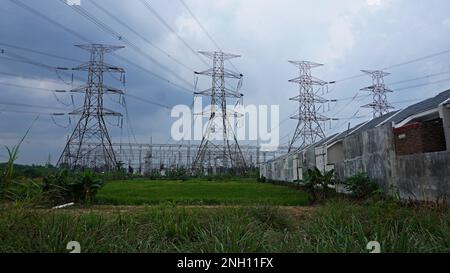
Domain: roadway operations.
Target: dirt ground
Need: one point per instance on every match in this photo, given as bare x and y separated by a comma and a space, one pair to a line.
296, 212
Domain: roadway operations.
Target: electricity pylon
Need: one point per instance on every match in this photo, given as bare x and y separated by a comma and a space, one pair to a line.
309, 128
380, 104
90, 145
211, 154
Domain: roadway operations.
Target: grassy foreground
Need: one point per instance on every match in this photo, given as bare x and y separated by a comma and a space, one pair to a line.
199, 192
339, 226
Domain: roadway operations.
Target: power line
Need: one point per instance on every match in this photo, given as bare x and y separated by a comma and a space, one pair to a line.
205, 31
139, 67
32, 87
46, 18
8, 103
29, 112
421, 85
40, 53
21, 59
123, 59
420, 78
200, 24
122, 23
398, 65
156, 14
411, 100
122, 38
418, 59
66, 91
51, 21
149, 101
30, 78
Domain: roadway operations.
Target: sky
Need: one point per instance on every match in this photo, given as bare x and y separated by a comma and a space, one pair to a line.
346, 36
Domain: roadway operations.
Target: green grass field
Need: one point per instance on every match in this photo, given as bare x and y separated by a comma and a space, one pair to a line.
238, 216
199, 192
339, 226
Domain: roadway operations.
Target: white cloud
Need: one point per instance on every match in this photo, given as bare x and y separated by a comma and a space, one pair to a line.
374, 2
446, 22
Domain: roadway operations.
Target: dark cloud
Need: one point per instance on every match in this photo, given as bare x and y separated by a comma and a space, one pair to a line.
345, 35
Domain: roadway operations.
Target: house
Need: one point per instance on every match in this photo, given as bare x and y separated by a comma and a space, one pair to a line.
406, 152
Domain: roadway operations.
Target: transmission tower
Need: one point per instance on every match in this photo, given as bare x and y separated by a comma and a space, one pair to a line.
380, 104
90, 145
226, 155
309, 128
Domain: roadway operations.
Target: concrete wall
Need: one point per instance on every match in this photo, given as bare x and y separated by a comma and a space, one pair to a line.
444, 111
424, 177
321, 158
309, 158
336, 153
371, 152
284, 169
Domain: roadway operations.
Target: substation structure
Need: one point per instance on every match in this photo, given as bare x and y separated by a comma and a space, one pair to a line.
148, 158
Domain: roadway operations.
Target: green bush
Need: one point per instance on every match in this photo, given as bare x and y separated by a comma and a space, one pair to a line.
316, 184
361, 186
65, 187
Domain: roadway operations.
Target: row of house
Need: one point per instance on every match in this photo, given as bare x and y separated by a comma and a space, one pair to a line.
406, 152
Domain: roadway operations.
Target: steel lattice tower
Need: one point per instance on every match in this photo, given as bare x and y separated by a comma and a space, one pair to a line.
309, 128
226, 155
90, 145
380, 104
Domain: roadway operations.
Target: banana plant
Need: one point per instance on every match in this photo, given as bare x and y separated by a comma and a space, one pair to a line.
316, 184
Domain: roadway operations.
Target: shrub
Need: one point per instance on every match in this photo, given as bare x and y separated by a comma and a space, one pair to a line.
316, 184
262, 179
361, 186
72, 187
86, 186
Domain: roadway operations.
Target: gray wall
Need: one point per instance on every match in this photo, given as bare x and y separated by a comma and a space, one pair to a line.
372, 152
424, 177
281, 169
336, 153
444, 111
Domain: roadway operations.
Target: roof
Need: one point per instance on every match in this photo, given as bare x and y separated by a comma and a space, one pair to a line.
396, 116
321, 142
422, 106
362, 127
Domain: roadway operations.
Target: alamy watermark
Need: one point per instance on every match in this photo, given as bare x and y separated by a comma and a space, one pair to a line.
74, 247
73, 2
246, 123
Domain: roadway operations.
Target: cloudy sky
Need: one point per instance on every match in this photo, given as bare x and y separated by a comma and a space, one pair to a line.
345, 35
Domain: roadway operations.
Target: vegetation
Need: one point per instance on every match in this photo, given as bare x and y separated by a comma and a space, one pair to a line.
56, 186
254, 222
361, 186
338, 226
199, 192
317, 184
64, 187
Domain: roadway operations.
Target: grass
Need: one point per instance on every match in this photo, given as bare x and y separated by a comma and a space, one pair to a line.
339, 226
199, 192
